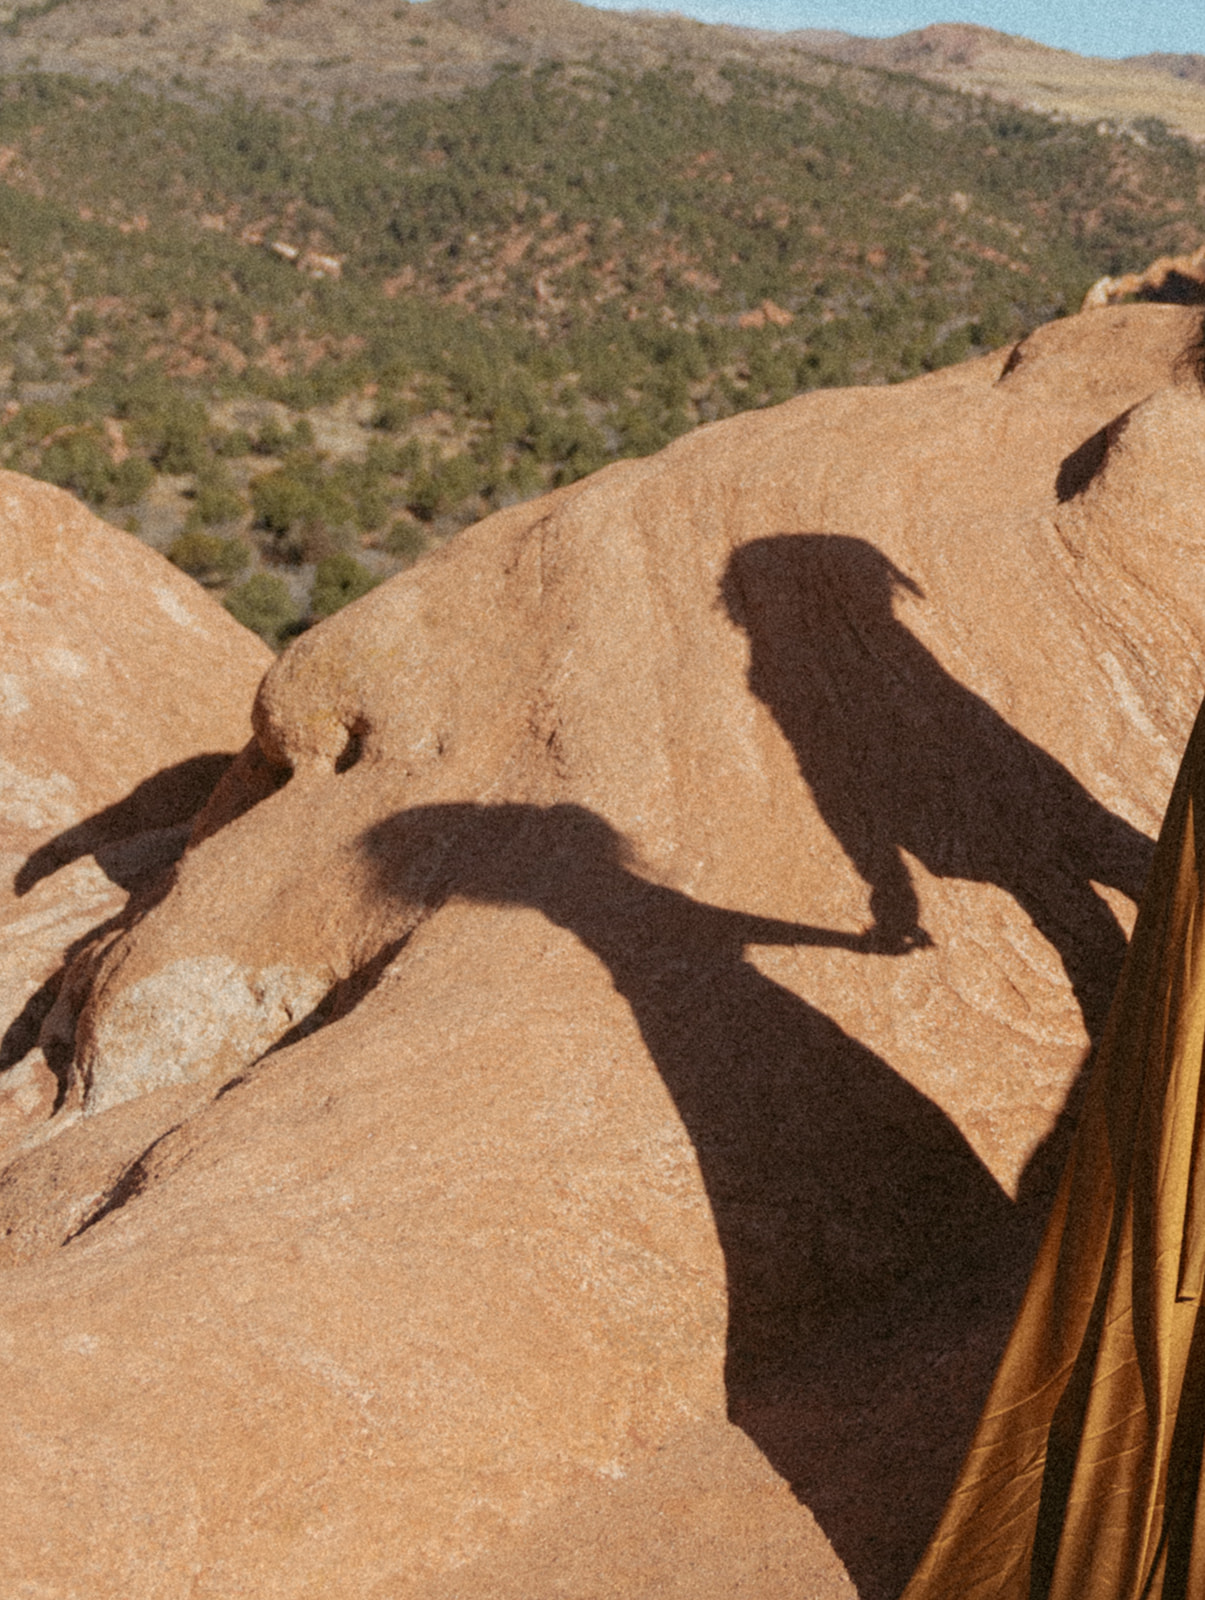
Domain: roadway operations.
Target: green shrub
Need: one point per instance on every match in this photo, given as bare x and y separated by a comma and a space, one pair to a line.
405, 541
271, 439
300, 487
179, 436
423, 499
131, 480
281, 499
208, 557
392, 412
85, 323
264, 605
217, 500
372, 504
442, 486
408, 457
230, 442
639, 434
315, 539
37, 419
339, 580
571, 442
311, 511
525, 477
79, 461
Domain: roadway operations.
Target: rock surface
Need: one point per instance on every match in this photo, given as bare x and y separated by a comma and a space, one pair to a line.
680, 909
1172, 280
123, 695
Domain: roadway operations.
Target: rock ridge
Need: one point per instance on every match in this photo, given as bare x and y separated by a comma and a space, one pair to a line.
598, 1067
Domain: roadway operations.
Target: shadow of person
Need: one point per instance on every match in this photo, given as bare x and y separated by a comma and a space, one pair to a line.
134, 841
848, 1206
900, 756
166, 799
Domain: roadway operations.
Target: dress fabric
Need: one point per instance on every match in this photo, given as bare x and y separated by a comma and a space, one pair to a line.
1083, 1479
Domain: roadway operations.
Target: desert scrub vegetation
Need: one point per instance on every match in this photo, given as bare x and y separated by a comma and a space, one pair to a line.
342, 337
209, 558
339, 579
265, 605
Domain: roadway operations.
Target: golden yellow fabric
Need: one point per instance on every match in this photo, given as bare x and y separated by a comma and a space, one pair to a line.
1083, 1480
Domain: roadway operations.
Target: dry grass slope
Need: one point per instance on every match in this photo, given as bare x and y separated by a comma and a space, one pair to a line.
1170, 89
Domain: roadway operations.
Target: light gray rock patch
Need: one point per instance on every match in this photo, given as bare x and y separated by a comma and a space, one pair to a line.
36, 803
190, 1019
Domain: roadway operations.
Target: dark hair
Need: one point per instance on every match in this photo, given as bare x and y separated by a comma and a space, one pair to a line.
1192, 361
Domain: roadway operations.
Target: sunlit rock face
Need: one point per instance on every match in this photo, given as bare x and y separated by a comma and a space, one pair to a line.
580, 1113
124, 694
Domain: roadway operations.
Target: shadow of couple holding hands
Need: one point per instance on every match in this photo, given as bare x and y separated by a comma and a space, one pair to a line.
852, 1212
857, 1224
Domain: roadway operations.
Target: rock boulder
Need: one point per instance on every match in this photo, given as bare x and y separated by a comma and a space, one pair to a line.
124, 693
578, 1121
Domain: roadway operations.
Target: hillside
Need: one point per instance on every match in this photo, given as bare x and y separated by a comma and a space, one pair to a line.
577, 1118
296, 348
1191, 68
1135, 93
315, 51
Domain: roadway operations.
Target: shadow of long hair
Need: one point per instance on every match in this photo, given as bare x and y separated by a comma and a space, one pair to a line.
1192, 361
899, 756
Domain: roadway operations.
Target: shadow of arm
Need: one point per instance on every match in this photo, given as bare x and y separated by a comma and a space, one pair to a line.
769, 930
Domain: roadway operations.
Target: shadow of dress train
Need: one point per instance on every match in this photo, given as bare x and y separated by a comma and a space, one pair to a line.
1084, 1475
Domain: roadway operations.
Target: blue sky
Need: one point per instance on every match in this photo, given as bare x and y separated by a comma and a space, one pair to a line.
1091, 27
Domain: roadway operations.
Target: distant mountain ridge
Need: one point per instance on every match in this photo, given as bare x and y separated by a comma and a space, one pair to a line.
1037, 76
1191, 67
940, 44
943, 45
318, 51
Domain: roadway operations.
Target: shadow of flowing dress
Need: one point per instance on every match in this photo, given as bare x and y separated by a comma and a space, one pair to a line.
1084, 1477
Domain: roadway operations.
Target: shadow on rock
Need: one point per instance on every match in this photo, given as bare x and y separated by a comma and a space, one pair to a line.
900, 756
172, 796
134, 842
850, 1209
26, 1028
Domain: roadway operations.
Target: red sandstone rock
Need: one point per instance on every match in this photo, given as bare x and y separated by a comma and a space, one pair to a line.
123, 693
1173, 280
683, 905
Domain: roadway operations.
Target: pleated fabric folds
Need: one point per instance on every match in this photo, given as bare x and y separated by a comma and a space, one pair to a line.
1083, 1479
